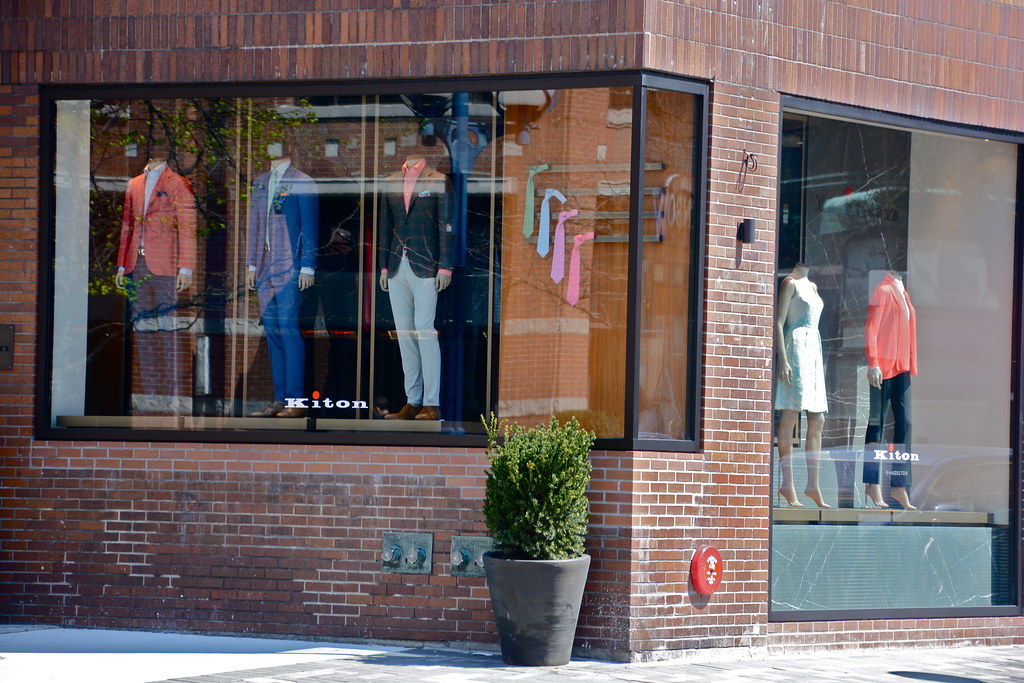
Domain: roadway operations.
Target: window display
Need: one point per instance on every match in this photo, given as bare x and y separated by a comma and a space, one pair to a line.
896, 270
367, 263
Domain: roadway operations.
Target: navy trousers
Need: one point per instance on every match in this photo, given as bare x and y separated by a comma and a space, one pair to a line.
894, 393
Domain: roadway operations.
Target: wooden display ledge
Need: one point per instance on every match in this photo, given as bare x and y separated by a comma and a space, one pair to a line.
197, 422
875, 516
335, 425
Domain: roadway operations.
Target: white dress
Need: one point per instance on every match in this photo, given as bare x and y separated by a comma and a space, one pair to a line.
803, 350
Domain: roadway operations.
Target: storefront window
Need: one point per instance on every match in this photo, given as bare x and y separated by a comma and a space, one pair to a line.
364, 263
894, 369
668, 316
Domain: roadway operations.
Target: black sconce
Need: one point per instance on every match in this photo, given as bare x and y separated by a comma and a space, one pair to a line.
746, 229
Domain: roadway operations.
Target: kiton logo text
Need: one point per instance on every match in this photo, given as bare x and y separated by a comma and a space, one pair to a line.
317, 402
893, 454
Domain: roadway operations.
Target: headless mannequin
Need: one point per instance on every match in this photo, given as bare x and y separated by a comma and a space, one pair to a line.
873, 491
415, 257
788, 418
155, 260
284, 220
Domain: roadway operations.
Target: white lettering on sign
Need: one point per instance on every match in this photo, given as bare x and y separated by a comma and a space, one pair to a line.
318, 402
894, 454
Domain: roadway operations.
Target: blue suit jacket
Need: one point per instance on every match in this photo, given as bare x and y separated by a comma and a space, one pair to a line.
292, 227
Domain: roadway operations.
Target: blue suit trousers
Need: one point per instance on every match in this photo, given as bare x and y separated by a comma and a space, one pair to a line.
281, 325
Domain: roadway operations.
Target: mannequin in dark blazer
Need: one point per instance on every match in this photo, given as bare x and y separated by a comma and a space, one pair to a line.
155, 259
415, 251
283, 223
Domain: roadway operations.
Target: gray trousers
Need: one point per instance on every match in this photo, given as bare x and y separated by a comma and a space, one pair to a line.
414, 303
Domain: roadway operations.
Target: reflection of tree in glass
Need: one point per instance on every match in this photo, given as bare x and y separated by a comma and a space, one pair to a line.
212, 142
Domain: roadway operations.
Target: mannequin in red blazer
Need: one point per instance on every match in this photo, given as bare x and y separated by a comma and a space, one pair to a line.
890, 344
155, 259
163, 230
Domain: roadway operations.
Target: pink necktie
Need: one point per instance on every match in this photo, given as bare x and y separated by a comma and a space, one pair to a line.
558, 256
544, 236
572, 295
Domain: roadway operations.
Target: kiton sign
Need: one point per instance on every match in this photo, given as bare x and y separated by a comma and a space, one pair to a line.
893, 454
317, 402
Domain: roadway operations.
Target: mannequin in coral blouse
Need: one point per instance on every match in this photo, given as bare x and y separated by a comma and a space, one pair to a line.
890, 343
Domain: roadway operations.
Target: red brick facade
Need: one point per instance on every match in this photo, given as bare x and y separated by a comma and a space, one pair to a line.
285, 539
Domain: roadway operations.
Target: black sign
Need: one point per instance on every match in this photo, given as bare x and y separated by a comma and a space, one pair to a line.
6, 347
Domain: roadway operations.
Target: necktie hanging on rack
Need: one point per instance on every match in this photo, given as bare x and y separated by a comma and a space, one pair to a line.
530, 192
544, 235
272, 183
558, 256
572, 294
665, 205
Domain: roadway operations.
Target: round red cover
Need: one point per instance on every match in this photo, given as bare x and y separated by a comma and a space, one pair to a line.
707, 569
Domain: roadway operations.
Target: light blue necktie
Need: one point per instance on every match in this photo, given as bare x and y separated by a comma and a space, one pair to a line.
272, 183
528, 208
544, 236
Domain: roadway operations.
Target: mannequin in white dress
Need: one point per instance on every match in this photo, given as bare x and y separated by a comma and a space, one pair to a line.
801, 380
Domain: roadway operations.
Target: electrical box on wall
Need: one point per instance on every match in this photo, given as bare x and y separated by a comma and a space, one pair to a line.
6, 347
406, 552
467, 554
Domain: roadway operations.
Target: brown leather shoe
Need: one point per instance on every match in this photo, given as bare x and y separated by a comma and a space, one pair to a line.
270, 411
408, 412
429, 413
292, 412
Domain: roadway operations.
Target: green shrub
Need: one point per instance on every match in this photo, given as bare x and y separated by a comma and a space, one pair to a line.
535, 503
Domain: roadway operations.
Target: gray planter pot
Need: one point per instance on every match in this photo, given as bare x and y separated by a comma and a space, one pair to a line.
536, 605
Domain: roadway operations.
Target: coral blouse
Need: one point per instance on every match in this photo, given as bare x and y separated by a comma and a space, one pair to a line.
890, 333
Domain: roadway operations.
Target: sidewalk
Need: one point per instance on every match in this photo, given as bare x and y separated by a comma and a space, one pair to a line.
58, 655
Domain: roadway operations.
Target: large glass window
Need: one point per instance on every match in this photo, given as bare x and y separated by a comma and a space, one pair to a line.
894, 369
668, 308
371, 262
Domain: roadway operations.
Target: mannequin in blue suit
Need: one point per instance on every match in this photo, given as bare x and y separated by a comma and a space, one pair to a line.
282, 260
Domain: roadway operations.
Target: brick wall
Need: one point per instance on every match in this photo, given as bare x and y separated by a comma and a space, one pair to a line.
19, 249
952, 61
269, 540
336, 39
239, 539
102, 534
721, 495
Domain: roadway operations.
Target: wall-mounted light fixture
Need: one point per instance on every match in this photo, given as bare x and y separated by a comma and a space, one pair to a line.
746, 230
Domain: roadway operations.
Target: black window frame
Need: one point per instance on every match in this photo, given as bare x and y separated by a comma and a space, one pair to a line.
638, 80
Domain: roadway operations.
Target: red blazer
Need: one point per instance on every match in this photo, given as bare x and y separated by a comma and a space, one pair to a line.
169, 226
890, 339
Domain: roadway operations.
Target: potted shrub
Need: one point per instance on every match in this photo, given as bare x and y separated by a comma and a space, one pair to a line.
538, 514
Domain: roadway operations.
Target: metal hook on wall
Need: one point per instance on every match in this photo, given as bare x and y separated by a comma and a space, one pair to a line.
747, 165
